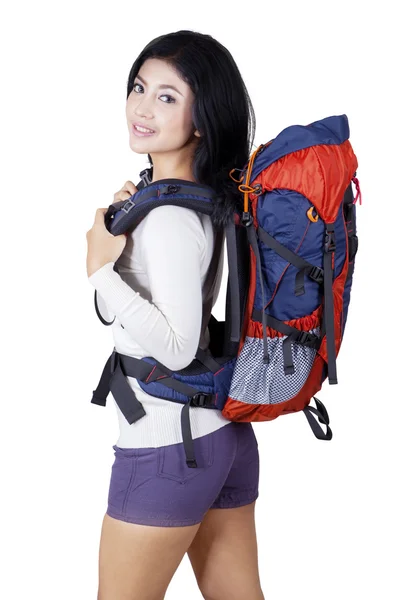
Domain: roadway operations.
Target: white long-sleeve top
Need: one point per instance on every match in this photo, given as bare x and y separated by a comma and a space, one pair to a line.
158, 300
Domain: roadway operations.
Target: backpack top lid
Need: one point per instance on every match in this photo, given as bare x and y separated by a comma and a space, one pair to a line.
331, 130
315, 160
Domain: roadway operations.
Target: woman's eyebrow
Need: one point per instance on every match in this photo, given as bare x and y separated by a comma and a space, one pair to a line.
161, 86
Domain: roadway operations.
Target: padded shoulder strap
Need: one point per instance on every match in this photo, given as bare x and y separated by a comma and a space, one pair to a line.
209, 284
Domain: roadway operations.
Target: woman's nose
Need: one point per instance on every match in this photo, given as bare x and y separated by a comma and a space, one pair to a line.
143, 109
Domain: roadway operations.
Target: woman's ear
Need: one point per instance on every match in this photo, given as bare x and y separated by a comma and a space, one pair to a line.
197, 133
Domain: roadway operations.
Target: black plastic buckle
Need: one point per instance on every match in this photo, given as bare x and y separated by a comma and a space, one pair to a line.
169, 189
303, 337
330, 244
128, 205
200, 399
317, 274
145, 177
247, 219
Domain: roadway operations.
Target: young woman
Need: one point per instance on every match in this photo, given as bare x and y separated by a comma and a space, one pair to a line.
186, 88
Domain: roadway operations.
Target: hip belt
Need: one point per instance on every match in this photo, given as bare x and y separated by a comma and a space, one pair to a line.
113, 379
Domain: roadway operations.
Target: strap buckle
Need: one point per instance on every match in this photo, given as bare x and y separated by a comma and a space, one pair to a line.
304, 337
128, 205
309, 339
247, 219
317, 274
201, 399
330, 244
145, 176
170, 188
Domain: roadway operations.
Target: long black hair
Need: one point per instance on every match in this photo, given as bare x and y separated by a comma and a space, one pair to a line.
222, 111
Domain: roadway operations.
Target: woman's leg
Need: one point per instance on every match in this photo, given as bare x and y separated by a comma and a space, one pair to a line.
137, 562
224, 555
156, 505
224, 551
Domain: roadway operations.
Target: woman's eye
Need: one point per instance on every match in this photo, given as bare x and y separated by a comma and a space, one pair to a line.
166, 95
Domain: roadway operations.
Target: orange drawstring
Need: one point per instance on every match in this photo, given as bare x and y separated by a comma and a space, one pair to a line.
246, 188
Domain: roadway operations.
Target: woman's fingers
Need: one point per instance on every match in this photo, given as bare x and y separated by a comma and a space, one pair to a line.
122, 195
128, 190
130, 187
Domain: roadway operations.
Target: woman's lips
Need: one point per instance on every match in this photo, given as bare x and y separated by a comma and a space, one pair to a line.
141, 133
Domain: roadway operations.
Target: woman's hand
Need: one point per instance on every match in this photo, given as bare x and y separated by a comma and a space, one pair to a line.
103, 246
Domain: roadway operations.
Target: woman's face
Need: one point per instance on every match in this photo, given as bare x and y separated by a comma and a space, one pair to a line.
165, 110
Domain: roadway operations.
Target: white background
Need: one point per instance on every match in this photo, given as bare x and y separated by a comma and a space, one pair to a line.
327, 514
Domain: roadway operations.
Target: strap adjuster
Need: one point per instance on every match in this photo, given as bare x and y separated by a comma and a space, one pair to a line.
247, 219
170, 188
128, 205
304, 337
201, 399
309, 339
330, 244
317, 274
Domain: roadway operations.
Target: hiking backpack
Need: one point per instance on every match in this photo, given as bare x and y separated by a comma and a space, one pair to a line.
291, 253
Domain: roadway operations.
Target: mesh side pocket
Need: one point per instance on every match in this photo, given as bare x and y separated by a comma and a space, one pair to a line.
256, 383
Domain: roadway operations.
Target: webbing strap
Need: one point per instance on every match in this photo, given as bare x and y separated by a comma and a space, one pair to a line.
233, 279
252, 237
294, 336
115, 268
324, 276
328, 302
300, 263
323, 417
208, 360
113, 378
187, 437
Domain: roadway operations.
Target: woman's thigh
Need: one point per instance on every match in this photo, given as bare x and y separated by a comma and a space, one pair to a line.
224, 555
137, 562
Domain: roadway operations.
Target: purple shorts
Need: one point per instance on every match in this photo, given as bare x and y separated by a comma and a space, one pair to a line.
154, 486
